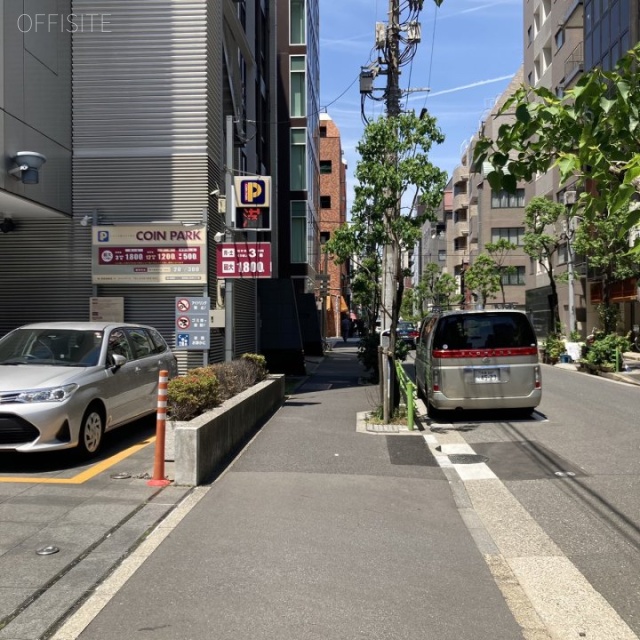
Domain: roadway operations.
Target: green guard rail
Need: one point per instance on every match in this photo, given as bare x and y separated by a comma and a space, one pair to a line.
409, 391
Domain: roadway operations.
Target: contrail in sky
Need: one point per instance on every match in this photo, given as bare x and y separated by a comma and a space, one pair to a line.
470, 86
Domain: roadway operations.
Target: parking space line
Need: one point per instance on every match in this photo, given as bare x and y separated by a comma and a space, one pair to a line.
91, 472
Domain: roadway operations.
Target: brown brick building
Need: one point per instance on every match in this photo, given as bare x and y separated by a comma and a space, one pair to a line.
333, 213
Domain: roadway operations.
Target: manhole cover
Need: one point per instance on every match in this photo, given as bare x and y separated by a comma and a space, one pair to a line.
467, 458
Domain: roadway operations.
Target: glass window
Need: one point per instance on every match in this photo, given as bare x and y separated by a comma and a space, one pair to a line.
325, 166
562, 254
515, 235
298, 97
298, 32
140, 342
460, 244
160, 346
559, 38
325, 202
299, 231
597, 50
505, 200
442, 255
515, 276
298, 159
118, 345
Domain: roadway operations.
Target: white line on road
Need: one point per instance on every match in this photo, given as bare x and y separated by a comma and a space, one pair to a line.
546, 593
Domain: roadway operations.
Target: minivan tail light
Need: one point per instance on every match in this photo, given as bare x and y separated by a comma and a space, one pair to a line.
436, 381
537, 378
485, 353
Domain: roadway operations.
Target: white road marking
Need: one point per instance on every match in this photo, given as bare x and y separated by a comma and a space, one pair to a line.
546, 593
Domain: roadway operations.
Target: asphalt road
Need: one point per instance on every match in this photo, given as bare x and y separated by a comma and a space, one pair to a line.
575, 469
558, 505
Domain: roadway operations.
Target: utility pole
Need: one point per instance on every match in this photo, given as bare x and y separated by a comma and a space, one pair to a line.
229, 211
390, 250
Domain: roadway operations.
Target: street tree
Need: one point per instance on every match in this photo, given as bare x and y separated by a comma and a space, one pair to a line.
483, 277
498, 251
546, 223
378, 218
591, 134
605, 243
446, 291
435, 288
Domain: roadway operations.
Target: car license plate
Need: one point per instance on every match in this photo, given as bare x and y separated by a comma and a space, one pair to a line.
487, 375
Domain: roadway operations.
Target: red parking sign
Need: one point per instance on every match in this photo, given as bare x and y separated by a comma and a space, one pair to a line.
244, 260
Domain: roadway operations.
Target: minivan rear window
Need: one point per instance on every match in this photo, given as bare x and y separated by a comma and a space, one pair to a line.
484, 331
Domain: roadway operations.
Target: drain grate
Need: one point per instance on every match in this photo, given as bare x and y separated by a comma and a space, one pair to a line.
383, 428
467, 458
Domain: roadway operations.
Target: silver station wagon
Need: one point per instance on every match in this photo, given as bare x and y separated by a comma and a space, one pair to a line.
478, 359
63, 384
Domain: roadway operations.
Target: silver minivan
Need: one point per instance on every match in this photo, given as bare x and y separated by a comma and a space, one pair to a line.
478, 359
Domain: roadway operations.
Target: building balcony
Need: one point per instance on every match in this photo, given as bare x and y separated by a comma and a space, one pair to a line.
460, 175
573, 65
461, 201
461, 228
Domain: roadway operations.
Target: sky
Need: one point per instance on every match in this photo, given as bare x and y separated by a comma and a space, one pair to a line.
469, 52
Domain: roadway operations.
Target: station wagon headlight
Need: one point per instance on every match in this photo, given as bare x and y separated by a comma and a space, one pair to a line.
53, 394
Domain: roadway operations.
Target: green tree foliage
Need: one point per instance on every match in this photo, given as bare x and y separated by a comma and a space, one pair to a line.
498, 252
605, 242
438, 288
483, 277
446, 291
377, 216
591, 134
546, 223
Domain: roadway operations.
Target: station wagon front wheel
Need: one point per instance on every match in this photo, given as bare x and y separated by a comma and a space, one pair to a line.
91, 432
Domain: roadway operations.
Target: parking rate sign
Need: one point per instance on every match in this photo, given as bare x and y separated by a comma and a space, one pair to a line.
192, 323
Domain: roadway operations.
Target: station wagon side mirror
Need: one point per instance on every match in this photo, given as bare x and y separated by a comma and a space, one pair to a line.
116, 361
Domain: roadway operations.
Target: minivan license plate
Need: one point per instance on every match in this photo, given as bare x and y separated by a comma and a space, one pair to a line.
487, 375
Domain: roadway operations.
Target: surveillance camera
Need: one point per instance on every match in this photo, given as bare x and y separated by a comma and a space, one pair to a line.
32, 159
7, 225
85, 221
29, 162
219, 237
215, 192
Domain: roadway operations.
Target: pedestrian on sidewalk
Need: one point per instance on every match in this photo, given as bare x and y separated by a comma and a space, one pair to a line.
345, 327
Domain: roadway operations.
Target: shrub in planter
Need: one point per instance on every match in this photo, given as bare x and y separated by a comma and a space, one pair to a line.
603, 350
192, 394
207, 387
259, 363
554, 347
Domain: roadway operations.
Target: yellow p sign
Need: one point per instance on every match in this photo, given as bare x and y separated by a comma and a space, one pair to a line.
252, 192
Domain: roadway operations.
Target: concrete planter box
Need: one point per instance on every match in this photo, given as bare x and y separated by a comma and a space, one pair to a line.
204, 444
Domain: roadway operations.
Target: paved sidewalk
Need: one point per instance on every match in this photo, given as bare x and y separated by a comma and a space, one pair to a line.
316, 531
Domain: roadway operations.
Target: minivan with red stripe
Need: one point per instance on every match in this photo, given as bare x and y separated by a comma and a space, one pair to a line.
478, 359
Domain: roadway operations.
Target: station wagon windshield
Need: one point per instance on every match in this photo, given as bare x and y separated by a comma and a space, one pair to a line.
55, 347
